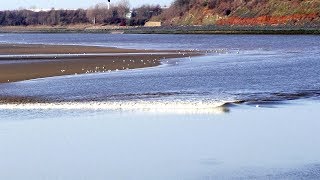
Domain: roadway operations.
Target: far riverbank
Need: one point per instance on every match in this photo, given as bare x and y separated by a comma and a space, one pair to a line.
207, 29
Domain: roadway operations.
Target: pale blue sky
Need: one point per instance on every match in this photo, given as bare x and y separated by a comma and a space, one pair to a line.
68, 4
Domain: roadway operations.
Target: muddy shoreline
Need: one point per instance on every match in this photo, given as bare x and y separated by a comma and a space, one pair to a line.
58, 60
188, 29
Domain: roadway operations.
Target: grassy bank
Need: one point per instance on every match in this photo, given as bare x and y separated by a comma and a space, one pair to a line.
211, 29
224, 30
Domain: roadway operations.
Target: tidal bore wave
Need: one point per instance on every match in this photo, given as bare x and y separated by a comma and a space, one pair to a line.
169, 102
177, 107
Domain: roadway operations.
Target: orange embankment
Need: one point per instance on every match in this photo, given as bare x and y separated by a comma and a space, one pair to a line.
268, 20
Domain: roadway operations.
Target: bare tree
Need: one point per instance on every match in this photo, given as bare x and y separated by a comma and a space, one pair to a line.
123, 8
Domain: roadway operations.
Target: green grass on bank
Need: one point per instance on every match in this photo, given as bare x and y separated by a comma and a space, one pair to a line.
211, 29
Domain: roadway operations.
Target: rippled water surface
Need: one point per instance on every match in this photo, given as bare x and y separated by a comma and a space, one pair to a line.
170, 121
237, 68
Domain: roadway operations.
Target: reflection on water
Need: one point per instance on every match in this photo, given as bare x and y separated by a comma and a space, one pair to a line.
250, 143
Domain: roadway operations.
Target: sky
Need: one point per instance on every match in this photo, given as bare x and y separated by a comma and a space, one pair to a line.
67, 4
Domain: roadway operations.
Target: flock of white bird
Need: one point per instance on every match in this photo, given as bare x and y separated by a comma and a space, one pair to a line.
145, 62
104, 68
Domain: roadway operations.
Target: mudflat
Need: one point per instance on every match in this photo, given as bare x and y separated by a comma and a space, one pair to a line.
13, 49
30, 61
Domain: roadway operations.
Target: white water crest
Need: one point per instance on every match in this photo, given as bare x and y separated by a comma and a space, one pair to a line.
176, 107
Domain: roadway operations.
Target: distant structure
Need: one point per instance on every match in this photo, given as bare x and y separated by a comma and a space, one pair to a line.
153, 24
39, 9
129, 14
108, 4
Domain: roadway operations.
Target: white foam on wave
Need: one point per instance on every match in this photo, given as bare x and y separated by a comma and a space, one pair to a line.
180, 107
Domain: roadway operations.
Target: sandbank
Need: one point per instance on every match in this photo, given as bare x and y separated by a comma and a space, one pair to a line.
20, 62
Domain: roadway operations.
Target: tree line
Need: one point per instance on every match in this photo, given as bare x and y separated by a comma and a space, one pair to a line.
52, 17
121, 14
118, 14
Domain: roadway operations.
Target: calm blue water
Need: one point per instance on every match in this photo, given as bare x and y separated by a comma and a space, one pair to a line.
167, 122
204, 42
254, 143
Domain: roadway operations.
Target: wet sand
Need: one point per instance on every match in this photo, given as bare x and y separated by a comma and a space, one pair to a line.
57, 60
63, 49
